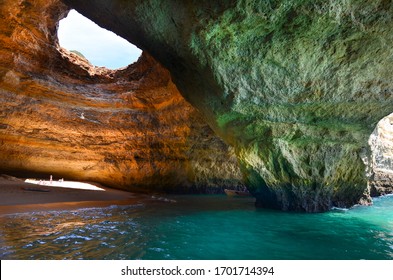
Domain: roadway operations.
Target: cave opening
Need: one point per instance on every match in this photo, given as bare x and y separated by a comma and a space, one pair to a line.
102, 48
381, 165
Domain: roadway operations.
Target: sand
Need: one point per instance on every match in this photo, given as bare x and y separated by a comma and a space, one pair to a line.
17, 196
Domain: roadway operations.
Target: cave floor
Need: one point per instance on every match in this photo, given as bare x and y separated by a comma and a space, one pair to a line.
16, 196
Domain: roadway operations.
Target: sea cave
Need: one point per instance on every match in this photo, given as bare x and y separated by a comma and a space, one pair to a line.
279, 97
289, 102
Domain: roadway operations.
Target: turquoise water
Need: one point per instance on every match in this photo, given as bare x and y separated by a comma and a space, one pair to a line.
199, 227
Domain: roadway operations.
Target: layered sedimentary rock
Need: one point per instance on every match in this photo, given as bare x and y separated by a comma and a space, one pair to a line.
296, 87
129, 129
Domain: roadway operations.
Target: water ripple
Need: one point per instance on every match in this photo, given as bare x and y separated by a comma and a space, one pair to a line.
200, 227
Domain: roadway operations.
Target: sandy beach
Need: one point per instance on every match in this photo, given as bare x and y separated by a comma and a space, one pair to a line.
17, 196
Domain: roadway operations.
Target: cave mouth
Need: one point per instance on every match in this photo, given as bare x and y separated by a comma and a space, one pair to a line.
381, 165
381, 143
102, 48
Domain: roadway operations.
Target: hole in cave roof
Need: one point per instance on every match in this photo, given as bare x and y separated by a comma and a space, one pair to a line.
101, 47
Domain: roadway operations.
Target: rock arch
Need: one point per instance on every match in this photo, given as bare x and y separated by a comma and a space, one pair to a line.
296, 87
128, 129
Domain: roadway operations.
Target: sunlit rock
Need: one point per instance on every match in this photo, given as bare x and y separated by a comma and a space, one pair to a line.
129, 129
381, 171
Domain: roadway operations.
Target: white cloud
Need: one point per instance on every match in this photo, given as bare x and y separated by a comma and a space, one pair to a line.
100, 46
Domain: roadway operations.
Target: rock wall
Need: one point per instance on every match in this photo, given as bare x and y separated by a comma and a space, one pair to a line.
129, 129
296, 87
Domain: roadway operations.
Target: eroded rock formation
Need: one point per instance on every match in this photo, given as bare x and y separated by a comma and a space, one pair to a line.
296, 87
129, 129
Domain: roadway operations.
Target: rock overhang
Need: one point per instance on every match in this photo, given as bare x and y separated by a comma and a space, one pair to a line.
296, 87
128, 128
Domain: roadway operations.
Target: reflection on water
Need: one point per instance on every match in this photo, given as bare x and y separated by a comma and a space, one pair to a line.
199, 227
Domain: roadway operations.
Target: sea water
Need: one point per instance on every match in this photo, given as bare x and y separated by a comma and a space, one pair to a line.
199, 228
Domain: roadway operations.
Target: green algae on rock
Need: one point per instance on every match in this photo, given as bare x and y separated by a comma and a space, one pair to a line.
296, 87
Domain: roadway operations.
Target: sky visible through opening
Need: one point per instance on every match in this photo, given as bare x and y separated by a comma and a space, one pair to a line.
100, 46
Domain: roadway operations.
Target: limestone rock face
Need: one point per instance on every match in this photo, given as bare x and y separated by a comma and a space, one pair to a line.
129, 129
296, 87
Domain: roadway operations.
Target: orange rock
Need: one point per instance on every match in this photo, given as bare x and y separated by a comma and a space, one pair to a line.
128, 129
